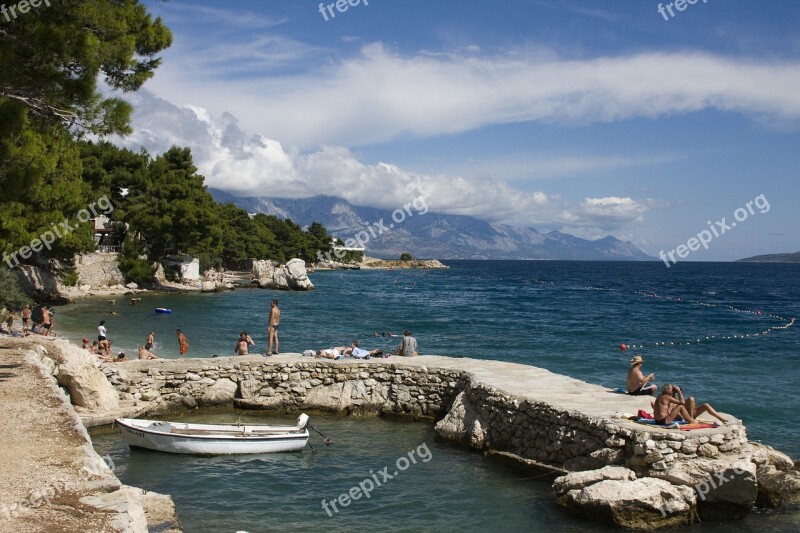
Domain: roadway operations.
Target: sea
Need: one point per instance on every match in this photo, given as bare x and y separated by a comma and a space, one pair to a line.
723, 331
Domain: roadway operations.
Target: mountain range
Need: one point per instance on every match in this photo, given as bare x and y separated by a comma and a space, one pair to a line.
433, 235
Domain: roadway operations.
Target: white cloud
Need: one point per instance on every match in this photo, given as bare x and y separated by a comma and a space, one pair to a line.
379, 95
252, 165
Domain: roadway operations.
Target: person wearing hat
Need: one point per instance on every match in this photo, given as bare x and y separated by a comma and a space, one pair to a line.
85, 343
637, 381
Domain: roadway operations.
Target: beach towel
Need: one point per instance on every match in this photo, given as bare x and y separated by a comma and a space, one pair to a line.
698, 425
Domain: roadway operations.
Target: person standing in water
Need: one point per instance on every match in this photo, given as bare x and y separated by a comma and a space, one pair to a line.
272, 328
182, 342
151, 340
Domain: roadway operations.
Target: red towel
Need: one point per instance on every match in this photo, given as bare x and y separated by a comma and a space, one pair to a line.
644, 414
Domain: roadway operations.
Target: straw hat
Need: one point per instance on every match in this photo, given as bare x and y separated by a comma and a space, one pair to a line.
637, 360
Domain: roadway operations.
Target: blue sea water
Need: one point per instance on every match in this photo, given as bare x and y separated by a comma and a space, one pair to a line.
568, 317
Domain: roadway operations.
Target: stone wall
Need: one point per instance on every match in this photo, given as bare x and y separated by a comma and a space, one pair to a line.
339, 387
98, 270
486, 418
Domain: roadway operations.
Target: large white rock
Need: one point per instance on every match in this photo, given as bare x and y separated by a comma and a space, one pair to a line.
777, 487
726, 487
297, 276
579, 480
461, 424
645, 503
88, 387
291, 276
221, 392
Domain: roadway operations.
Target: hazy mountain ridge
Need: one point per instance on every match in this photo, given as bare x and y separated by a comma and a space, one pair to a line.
435, 234
791, 257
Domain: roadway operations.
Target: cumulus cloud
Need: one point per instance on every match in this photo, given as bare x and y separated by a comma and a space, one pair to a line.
250, 164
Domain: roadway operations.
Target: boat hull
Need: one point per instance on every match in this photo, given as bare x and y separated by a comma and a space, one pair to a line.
200, 439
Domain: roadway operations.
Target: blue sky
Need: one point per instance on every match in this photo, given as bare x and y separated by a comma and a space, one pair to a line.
593, 118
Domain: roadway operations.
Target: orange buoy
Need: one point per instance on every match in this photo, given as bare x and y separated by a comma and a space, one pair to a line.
623, 347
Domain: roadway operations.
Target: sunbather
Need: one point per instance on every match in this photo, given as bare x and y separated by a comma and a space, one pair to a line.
692, 408
360, 353
332, 353
667, 408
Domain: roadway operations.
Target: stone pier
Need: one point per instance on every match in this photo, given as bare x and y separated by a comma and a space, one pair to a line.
617, 471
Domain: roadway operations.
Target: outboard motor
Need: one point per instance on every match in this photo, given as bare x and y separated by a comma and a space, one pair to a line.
302, 421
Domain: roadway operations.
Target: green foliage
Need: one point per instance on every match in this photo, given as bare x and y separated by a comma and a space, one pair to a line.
51, 60
349, 256
405, 256
69, 278
132, 266
10, 292
173, 211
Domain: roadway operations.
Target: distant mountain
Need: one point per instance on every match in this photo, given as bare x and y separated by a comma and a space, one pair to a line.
772, 258
434, 234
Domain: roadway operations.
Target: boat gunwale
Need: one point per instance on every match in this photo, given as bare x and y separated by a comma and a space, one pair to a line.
286, 436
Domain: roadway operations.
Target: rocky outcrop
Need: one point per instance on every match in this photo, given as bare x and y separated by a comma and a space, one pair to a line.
40, 284
73, 368
614, 496
290, 277
778, 478
726, 486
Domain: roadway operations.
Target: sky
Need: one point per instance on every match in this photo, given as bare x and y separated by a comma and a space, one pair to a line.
591, 118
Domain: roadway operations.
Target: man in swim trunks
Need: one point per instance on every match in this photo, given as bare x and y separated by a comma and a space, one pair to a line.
272, 329
151, 339
637, 381
667, 408
47, 321
26, 319
182, 342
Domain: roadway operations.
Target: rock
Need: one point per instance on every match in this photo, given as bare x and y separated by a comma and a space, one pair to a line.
777, 487
459, 424
579, 480
39, 283
221, 392
150, 395
726, 489
645, 503
291, 276
296, 275
132, 286
87, 385
208, 286
160, 512
763, 454
336, 397
124, 507
249, 388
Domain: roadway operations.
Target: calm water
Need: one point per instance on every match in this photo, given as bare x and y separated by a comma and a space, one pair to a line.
568, 317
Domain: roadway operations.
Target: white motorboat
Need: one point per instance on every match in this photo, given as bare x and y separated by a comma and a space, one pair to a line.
213, 439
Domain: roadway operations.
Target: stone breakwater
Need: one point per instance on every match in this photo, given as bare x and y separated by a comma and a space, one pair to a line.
618, 471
